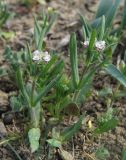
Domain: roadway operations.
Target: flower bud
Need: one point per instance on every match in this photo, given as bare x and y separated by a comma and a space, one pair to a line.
86, 44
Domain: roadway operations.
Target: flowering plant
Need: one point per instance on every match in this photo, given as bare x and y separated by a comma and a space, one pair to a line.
44, 87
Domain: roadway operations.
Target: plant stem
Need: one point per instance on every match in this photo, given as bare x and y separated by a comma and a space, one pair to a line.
33, 89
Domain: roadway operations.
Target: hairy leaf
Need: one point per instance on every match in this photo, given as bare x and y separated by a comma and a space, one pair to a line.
34, 136
102, 153
113, 71
54, 142
70, 131
46, 89
74, 60
124, 154
106, 126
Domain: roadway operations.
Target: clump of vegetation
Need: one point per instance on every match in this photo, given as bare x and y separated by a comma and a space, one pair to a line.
4, 13
43, 86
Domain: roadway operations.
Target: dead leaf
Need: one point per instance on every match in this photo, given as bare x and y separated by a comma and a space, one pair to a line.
65, 155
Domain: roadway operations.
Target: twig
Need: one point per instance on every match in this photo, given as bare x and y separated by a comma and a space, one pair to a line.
10, 146
15, 152
88, 155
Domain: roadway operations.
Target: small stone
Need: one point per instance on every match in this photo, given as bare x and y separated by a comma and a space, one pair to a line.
8, 118
3, 131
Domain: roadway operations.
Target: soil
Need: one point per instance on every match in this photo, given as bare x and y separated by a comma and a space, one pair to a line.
67, 21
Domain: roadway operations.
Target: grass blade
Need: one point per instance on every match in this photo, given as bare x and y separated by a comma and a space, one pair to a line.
86, 26
124, 16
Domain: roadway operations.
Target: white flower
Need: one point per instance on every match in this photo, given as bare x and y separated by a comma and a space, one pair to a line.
100, 45
46, 56
86, 44
36, 55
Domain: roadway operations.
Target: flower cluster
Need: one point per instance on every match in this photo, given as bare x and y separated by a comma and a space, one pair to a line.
99, 45
39, 56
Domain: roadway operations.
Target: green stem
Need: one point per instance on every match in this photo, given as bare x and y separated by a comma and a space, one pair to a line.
33, 89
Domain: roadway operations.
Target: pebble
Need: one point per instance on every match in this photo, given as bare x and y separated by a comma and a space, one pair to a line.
8, 118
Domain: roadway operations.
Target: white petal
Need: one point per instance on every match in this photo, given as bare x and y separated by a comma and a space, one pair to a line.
36, 58
37, 52
47, 58
46, 53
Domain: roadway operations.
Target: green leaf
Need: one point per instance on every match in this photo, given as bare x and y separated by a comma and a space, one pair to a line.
111, 13
41, 1
103, 8
121, 94
74, 60
106, 126
102, 28
70, 131
54, 142
124, 16
35, 115
34, 111
107, 116
52, 20
34, 136
92, 40
86, 78
4, 13
84, 33
21, 84
50, 64
124, 154
8, 35
2, 72
36, 31
86, 28
83, 92
113, 71
102, 153
56, 69
15, 104
29, 54
7, 53
46, 89
41, 38
107, 8
105, 92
